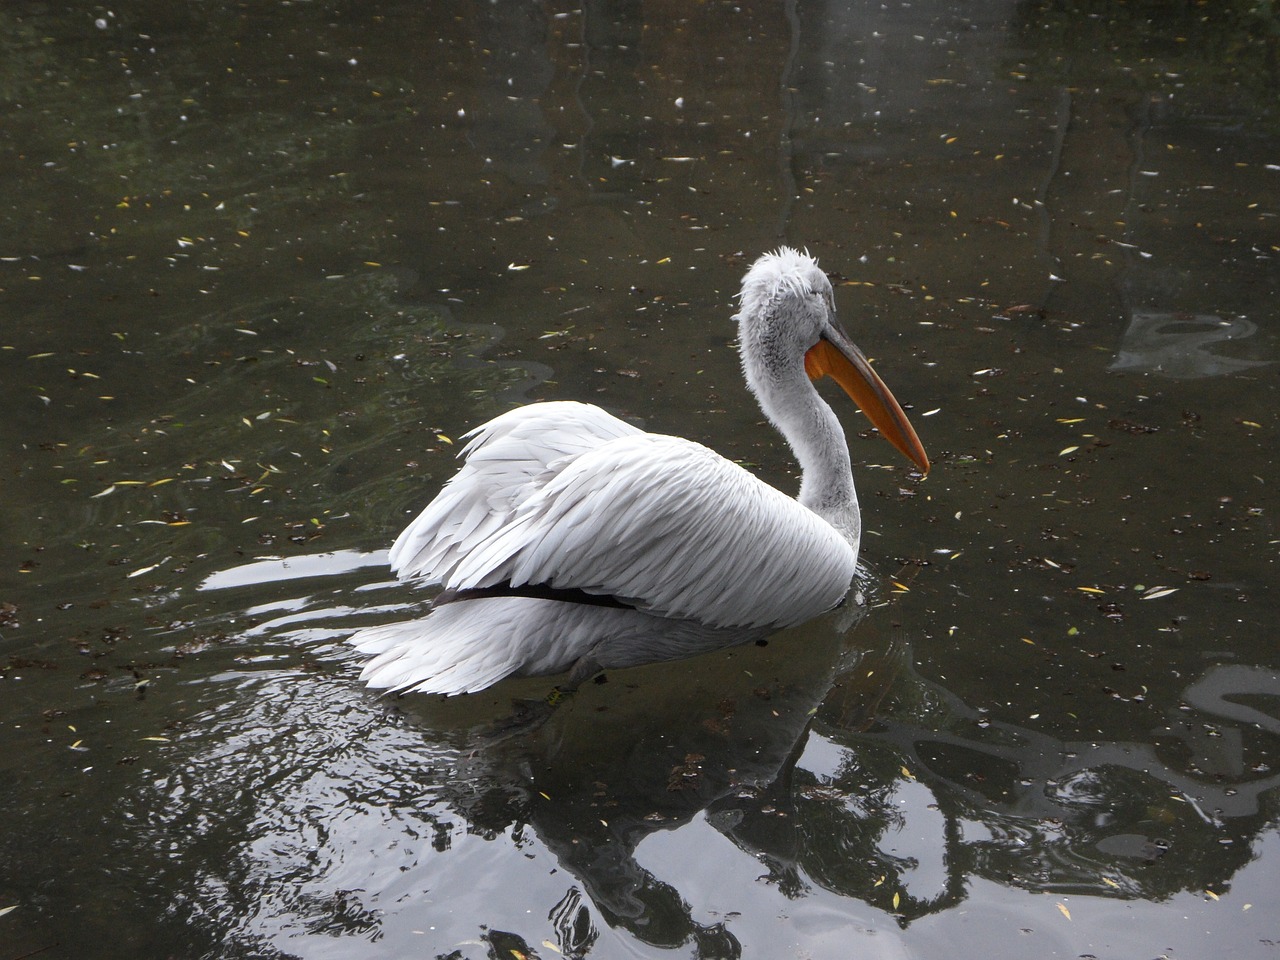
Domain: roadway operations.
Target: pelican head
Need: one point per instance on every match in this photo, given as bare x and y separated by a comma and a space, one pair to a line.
789, 334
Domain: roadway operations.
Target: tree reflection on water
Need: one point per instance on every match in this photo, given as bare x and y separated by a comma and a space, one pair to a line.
825, 758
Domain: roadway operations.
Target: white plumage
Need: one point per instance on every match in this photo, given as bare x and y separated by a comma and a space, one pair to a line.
672, 547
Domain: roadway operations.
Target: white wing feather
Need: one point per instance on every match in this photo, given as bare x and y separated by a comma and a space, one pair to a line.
664, 524
565, 495
507, 459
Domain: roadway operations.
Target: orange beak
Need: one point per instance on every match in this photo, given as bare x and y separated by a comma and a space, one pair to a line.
835, 356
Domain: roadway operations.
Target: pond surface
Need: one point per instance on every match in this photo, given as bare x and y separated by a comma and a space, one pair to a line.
261, 265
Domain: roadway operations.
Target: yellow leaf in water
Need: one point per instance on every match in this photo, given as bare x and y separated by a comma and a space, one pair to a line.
1062, 908
1211, 895
157, 739
1250, 423
1090, 590
443, 438
896, 901
1065, 450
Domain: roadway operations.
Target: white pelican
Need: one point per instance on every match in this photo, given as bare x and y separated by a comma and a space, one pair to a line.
570, 539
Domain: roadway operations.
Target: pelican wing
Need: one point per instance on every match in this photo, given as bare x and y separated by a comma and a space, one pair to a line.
669, 526
506, 461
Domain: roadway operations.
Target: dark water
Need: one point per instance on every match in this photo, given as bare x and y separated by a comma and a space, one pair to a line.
262, 264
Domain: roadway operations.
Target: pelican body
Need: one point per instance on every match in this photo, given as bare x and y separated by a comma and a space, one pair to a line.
570, 539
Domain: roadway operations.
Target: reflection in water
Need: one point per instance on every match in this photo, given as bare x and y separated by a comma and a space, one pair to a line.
1182, 345
830, 766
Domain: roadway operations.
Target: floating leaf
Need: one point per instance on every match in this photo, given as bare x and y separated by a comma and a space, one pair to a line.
1062, 908
1090, 590
103, 493
1065, 450
1156, 592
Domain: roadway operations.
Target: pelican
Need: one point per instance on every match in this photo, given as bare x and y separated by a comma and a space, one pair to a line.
571, 540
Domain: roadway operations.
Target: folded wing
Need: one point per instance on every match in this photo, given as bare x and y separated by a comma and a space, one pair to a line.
567, 496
